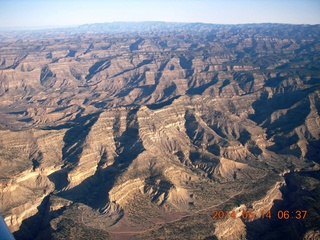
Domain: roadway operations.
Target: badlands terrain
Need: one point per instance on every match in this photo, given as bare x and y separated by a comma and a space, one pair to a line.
143, 130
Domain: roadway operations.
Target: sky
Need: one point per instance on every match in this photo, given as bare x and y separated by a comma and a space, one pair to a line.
37, 13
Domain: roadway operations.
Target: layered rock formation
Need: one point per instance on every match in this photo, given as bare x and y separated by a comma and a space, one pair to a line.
141, 131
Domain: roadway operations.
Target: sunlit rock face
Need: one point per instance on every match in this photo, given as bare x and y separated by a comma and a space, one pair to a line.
143, 130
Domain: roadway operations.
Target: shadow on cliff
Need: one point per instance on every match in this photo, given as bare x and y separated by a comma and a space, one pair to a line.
199, 90
73, 147
295, 107
94, 191
76, 136
156, 106
265, 106
187, 65
152, 88
134, 79
295, 197
98, 67
32, 226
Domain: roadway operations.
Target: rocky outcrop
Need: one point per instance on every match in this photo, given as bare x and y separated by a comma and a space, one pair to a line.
47, 77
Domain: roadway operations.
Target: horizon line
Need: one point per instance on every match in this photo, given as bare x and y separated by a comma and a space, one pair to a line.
53, 27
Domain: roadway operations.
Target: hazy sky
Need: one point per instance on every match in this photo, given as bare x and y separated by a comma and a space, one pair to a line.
30, 13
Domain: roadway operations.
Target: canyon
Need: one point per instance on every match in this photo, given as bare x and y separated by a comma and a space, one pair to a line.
142, 130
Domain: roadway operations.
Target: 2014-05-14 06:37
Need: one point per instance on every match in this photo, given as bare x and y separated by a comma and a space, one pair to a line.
251, 214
